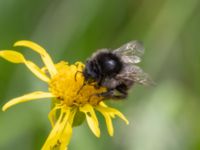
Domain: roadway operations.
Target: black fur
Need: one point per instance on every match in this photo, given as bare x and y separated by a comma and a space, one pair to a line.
104, 65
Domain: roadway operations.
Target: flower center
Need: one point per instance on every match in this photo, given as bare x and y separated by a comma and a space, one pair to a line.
68, 86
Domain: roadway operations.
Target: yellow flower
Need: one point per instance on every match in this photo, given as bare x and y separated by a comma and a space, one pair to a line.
69, 97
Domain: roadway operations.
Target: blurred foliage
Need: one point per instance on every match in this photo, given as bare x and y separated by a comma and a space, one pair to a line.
162, 117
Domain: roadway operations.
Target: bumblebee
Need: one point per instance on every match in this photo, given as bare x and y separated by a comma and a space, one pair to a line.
117, 70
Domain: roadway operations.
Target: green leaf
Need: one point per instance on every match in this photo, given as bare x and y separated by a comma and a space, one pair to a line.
78, 119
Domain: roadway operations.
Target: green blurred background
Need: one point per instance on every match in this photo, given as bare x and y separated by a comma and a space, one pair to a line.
162, 117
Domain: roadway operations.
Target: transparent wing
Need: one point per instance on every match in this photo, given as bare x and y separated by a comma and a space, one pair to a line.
137, 75
141, 77
130, 52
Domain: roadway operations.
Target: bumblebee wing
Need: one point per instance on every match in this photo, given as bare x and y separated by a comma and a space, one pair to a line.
130, 52
136, 74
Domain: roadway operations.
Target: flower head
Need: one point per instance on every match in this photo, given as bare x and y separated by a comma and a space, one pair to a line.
71, 96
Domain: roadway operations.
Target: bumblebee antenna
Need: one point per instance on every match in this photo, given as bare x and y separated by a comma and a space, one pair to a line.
76, 74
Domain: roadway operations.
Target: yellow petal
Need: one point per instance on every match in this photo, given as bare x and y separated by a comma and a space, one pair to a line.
91, 119
44, 55
52, 141
37, 71
66, 135
61, 133
16, 57
28, 97
120, 115
52, 114
12, 56
103, 104
108, 121
112, 112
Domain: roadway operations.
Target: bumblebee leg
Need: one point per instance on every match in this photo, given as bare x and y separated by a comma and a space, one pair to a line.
113, 94
99, 82
81, 87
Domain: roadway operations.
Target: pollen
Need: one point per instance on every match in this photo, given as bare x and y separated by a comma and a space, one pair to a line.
69, 86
